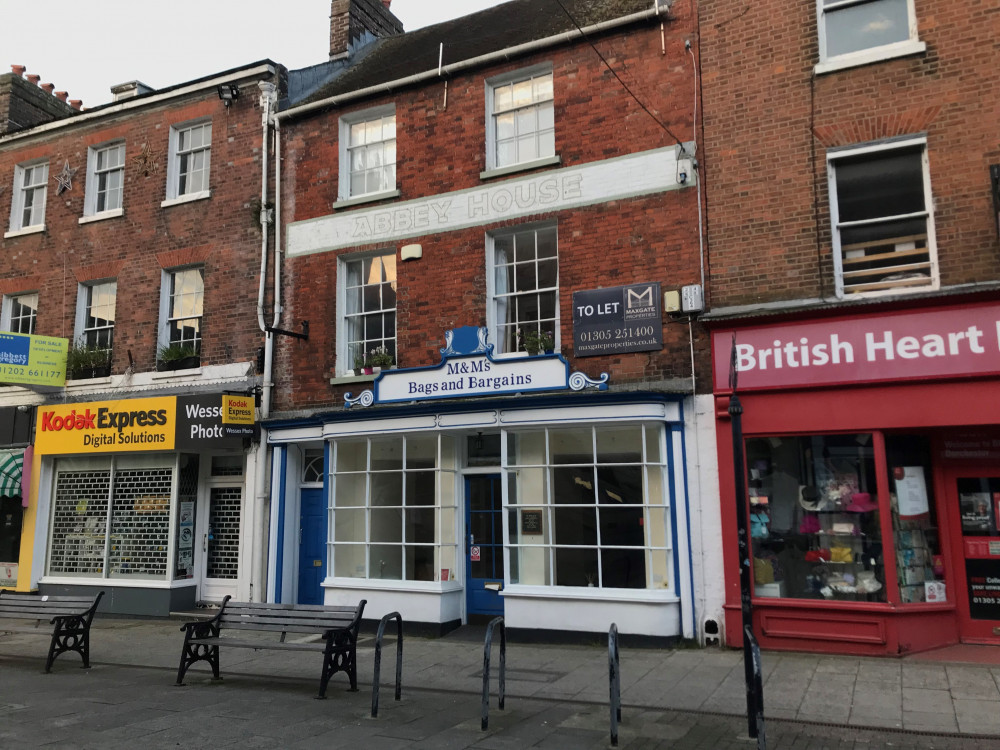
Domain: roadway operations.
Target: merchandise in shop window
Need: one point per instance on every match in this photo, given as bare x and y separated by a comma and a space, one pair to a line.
814, 522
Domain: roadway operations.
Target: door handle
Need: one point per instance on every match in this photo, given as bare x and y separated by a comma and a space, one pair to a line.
204, 543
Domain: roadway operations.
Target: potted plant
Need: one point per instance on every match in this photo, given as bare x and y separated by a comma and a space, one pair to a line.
373, 361
84, 361
177, 356
537, 342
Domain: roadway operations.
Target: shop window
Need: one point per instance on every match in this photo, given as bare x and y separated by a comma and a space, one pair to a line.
814, 518
523, 287
520, 119
588, 507
394, 507
368, 154
11, 516
187, 501
367, 310
919, 563
19, 313
856, 32
881, 209
227, 466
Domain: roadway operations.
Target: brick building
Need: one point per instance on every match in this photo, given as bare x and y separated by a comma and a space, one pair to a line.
133, 236
854, 244
490, 210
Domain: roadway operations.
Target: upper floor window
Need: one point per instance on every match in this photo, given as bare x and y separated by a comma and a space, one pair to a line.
523, 287
19, 313
521, 119
105, 178
854, 32
96, 315
368, 153
883, 222
184, 299
190, 158
30, 192
367, 307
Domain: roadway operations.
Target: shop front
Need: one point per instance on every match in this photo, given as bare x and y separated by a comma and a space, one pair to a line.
452, 493
144, 498
872, 462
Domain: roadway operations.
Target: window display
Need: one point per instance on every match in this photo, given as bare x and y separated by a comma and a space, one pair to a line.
814, 522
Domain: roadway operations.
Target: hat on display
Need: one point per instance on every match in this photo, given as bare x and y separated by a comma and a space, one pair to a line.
861, 502
810, 498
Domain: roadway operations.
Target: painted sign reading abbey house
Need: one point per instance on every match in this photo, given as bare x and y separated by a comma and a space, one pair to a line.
468, 369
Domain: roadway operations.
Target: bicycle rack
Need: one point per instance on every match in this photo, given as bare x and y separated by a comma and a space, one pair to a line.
378, 657
614, 682
486, 668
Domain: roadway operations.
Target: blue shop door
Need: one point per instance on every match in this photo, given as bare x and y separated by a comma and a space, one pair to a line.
484, 545
312, 547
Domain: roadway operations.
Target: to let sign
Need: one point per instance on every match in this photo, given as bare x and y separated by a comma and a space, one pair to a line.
617, 320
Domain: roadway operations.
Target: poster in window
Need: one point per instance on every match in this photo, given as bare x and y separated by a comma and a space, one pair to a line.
531, 522
911, 491
983, 577
977, 515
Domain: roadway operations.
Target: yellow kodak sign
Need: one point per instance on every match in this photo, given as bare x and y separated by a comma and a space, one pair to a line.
140, 424
237, 409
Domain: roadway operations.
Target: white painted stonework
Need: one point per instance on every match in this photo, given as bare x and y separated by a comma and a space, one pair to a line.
613, 179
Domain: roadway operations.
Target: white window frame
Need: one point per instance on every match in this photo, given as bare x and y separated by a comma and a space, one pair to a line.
83, 297
344, 195
491, 286
39, 188
174, 194
94, 174
827, 63
493, 168
831, 160
345, 362
7, 312
166, 298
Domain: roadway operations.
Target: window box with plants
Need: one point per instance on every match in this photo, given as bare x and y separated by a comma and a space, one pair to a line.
538, 342
177, 357
84, 361
372, 362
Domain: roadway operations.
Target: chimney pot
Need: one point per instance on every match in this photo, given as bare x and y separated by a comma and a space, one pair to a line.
387, 3
32, 78
48, 88
76, 103
18, 70
62, 95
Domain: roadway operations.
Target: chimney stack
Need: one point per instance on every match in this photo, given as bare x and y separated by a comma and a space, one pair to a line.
355, 23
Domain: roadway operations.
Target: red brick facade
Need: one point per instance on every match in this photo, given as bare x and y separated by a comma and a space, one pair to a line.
441, 148
770, 119
222, 231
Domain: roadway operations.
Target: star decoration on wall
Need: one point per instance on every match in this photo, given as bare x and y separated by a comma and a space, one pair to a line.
145, 164
65, 179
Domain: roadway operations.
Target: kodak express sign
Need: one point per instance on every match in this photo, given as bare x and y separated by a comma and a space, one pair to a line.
140, 424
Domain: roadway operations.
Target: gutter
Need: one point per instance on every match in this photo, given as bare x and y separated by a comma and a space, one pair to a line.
474, 62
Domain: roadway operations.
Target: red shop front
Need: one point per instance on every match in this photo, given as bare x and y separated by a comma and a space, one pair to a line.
872, 454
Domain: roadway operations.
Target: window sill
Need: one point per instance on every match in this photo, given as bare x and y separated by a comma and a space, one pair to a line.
869, 56
549, 161
175, 373
88, 381
186, 198
101, 216
529, 591
348, 379
370, 198
26, 231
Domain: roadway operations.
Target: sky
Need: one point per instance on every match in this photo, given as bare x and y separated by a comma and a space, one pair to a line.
85, 47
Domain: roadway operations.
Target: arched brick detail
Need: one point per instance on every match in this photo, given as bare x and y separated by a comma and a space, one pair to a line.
108, 270
876, 127
188, 256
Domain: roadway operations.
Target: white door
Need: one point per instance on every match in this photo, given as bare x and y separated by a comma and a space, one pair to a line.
218, 540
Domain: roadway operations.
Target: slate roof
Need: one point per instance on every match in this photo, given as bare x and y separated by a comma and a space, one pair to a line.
502, 26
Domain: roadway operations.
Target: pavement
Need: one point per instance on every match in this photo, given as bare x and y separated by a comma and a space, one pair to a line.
556, 698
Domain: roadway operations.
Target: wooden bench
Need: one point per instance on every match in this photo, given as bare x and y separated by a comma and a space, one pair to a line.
71, 616
338, 627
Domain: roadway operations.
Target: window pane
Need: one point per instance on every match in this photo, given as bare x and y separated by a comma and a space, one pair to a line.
866, 25
871, 186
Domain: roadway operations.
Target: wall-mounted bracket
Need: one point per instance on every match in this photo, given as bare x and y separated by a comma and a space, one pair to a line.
293, 334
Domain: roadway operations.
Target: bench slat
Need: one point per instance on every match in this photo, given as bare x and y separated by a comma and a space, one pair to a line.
284, 627
264, 645
348, 612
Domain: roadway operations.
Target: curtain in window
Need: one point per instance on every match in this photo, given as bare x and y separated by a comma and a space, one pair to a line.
501, 289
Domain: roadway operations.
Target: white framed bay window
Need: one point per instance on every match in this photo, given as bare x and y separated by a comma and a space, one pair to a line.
881, 209
601, 497
858, 32
394, 506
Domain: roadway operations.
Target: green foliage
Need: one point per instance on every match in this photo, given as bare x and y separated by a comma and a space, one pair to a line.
175, 352
81, 357
536, 342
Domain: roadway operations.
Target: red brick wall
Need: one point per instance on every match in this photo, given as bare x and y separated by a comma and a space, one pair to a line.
769, 120
221, 231
442, 148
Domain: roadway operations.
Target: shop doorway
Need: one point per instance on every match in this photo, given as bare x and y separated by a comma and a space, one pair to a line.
312, 543
219, 522
484, 571
975, 502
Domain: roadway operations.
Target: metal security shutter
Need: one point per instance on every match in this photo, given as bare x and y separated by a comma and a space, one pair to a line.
224, 541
